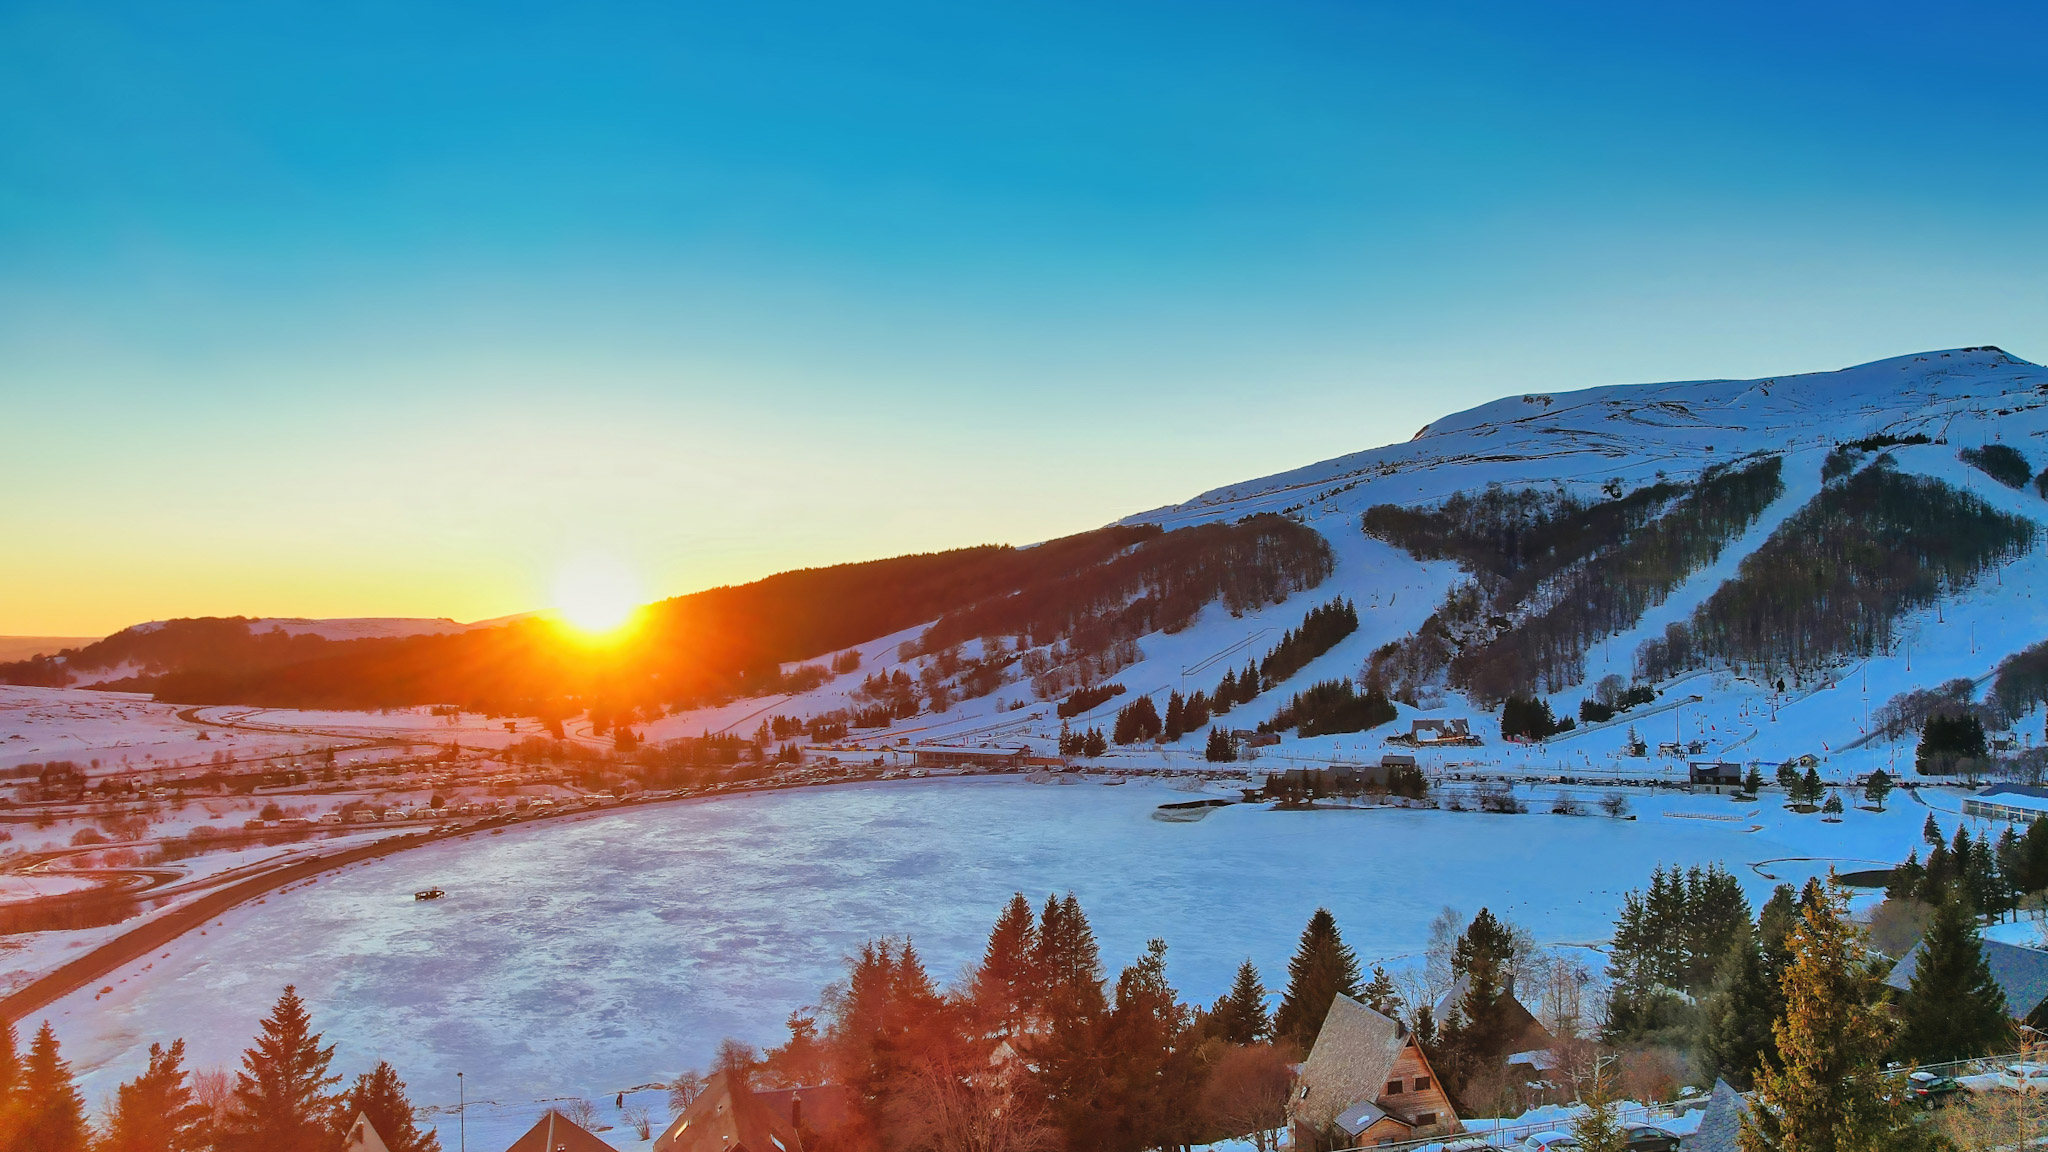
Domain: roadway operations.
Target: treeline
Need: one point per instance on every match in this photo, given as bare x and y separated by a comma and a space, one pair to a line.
1321, 630
1833, 580
282, 1099
1994, 877
1036, 1048
2022, 681
1552, 575
2001, 462
1159, 584
720, 642
1330, 708
1084, 699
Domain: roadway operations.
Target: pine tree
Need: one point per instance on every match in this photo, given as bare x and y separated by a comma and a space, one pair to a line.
1094, 744
1176, 717
1954, 1010
380, 1095
1735, 1019
1150, 1075
1006, 985
281, 1100
1380, 995
1240, 1015
1877, 788
1598, 1128
1810, 786
1220, 750
1833, 806
1824, 1092
1774, 926
1906, 878
1322, 968
10, 1082
1931, 832
49, 1112
1476, 1034
156, 1111
1068, 962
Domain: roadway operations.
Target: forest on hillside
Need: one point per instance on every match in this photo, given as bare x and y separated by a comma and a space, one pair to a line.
1831, 583
1090, 593
1550, 574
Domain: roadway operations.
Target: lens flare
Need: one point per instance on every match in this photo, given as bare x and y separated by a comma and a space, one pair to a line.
596, 594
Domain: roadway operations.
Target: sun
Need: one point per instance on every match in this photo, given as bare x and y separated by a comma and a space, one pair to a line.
596, 595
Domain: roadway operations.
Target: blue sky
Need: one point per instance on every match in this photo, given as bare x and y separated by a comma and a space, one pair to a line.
350, 309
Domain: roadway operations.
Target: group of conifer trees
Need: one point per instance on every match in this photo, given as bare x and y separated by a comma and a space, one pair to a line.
1140, 720
1693, 972
1331, 707
282, 1099
1992, 877
1087, 742
1036, 1048
1320, 631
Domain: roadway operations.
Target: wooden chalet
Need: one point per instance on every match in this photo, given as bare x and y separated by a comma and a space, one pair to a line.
730, 1117
555, 1132
1366, 1082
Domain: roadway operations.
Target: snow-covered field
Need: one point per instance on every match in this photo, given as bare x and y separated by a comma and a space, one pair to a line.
121, 730
583, 958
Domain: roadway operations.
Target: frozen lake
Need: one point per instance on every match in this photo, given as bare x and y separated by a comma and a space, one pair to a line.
580, 958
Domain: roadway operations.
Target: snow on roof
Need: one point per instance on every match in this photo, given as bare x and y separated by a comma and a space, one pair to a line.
2022, 973
2024, 797
1349, 1065
1359, 1117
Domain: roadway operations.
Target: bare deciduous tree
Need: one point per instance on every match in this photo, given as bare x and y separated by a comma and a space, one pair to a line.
1246, 1093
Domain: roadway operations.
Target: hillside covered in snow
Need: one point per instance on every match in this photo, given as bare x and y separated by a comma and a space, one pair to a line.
1754, 570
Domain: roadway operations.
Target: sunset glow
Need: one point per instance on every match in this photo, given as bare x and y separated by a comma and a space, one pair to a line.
597, 595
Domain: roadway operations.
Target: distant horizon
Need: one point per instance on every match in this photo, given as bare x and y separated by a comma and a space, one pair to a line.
397, 312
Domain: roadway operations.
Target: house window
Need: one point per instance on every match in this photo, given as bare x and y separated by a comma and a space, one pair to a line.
1422, 1083
1425, 1120
1393, 1087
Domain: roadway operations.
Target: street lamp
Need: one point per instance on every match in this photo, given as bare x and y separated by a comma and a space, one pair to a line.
461, 1114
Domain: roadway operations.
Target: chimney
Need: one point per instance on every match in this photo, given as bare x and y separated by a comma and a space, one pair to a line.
796, 1112
1509, 987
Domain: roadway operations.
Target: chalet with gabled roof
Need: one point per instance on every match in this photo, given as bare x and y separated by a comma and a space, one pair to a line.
728, 1116
363, 1137
555, 1132
1366, 1081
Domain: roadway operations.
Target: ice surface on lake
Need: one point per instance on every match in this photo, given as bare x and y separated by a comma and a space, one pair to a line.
577, 959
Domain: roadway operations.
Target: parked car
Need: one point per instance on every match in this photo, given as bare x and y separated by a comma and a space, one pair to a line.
1550, 1142
1649, 1138
2027, 1078
1931, 1091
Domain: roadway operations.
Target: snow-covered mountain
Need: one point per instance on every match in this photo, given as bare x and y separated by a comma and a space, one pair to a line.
1916, 415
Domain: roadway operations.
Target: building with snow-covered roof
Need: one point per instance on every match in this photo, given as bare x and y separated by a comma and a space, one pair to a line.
961, 756
1366, 1081
2015, 803
2021, 973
